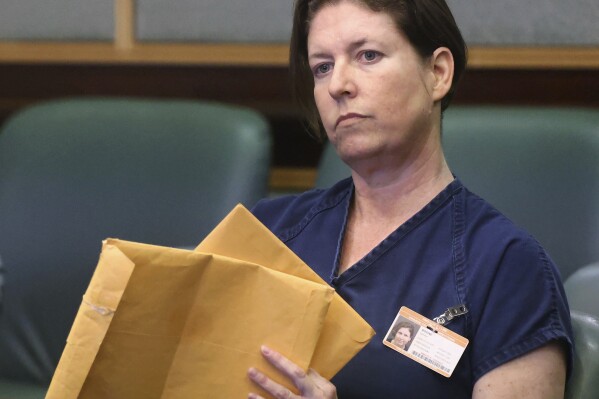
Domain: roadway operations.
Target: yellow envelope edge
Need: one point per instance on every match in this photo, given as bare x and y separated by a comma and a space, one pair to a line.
91, 323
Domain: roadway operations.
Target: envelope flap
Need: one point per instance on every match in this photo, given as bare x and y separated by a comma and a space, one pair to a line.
242, 236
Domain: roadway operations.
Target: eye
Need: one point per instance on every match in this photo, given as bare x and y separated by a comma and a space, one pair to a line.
369, 56
322, 69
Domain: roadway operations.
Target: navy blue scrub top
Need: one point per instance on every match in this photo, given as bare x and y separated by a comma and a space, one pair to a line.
457, 250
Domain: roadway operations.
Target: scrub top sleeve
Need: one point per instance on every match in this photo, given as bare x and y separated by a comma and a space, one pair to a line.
524, 308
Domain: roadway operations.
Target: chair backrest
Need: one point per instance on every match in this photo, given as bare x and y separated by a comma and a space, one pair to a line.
539, 166
582, 289
584, 381
77, 171
330, 168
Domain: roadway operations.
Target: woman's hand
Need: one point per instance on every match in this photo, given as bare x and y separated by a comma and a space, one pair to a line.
310, 385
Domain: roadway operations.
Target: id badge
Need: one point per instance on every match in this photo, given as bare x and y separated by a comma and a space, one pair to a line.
425, 341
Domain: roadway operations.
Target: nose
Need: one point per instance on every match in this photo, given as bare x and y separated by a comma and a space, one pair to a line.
342, 82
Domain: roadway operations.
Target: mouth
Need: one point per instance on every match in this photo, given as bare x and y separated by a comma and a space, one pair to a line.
349, 118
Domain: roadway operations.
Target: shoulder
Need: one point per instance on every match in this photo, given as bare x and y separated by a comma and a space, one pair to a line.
512, 285
498, 252
486, 228
283, 214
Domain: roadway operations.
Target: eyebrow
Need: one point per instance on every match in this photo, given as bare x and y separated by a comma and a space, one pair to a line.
352, 47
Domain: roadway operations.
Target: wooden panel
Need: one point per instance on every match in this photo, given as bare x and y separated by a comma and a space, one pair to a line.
292, 179
530, 87
533, 57
124, 27
268, 55
156, 54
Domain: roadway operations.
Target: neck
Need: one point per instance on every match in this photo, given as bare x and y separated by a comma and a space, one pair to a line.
399, 192
390, 188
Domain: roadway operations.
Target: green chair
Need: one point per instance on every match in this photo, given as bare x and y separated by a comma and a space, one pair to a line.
539, 166
330, 168
74, 172
582, 289
584, 381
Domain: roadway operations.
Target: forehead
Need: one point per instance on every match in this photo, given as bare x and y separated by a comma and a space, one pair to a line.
337, 23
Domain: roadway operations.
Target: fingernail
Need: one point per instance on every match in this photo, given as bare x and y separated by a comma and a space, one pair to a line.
252, 372
266, 350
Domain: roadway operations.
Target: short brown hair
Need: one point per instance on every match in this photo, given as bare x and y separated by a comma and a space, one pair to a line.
428, 25
400, 325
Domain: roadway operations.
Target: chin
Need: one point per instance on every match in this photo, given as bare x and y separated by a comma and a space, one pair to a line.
358, 154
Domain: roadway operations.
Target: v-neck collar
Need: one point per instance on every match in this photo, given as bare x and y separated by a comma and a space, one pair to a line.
392, 239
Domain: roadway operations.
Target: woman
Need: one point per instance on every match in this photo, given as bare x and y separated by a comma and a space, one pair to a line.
380, 74
402, 334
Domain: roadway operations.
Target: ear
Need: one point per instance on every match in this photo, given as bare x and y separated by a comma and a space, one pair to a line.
442, 69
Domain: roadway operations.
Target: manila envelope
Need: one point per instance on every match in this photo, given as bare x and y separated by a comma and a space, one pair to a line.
242, 236
167, 323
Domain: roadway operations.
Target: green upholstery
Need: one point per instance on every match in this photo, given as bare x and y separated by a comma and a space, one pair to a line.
76, 171
582, 289
16, 390
330, 168
539, 166
584, 382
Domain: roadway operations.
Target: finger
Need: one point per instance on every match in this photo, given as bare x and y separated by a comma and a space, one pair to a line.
295, 373
275, 389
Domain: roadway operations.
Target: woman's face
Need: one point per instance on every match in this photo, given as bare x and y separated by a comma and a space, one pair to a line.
372, 90
402, 337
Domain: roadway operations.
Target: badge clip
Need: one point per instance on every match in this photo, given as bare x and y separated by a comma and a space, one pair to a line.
450, 314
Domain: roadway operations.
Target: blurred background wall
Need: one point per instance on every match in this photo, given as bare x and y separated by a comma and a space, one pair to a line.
484, 22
